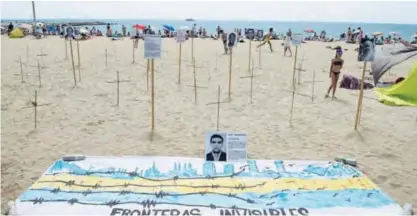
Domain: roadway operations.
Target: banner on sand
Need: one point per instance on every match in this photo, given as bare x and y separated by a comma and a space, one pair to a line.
191, 186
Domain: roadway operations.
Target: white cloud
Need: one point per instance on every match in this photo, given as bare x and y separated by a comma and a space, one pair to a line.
334, 11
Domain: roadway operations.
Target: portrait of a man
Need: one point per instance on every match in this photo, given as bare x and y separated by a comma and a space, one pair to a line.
366, 50
216, 153
232, 39
250, 34
260, 34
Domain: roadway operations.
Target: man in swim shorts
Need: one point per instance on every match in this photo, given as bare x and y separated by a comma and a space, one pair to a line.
267, 39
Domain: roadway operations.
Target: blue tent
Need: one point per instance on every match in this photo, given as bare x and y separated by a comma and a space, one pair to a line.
169, 27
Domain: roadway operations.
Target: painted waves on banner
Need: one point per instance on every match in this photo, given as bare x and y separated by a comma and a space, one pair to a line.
222, 185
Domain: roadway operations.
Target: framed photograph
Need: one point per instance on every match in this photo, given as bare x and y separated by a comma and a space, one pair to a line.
366, 50
297, 39
260, 34
250, 34
181, 36
232, 38
216, 146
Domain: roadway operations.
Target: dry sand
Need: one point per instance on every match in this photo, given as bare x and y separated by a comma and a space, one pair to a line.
85, 120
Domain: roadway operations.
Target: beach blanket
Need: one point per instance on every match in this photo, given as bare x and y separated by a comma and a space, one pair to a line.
388, 57
400, 94
353, 83
192, 186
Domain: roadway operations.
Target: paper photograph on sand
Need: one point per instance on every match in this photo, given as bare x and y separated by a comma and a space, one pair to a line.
366, 50
216, 146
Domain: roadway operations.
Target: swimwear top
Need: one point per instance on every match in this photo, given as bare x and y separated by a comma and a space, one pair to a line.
337, 63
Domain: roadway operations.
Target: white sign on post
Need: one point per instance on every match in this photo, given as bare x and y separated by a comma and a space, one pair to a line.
225, 146
152, 47
297, 39
181, 36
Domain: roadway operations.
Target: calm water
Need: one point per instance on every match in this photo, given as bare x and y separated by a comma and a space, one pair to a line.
332, 28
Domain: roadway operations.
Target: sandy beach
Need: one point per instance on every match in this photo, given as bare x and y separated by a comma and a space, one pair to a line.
85, 119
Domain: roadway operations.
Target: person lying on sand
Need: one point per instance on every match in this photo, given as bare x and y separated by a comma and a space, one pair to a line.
334, 73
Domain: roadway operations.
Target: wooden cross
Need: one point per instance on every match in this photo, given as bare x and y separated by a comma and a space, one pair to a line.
251, 80
79, 61
195, 84
118, 81
300, 69
39, 75
35, 105
218, 106
21, 68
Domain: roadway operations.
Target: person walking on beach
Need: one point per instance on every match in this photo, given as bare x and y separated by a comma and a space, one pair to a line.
224, 40
267, 39
334, 73
124, 30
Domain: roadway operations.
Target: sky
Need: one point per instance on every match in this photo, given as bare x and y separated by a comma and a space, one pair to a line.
324, 11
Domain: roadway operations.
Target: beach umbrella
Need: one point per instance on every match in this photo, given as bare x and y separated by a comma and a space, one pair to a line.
169, 27
39, 24
25, 26
83, 31
377, 33
395, 34
307, 30
139, 26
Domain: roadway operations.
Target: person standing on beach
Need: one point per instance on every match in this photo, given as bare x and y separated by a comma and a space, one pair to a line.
124, 30
267, 39
10, 28
287, 45
224, 40
334, 73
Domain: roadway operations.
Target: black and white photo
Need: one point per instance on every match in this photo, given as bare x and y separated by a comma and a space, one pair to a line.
366, 49
250, 34
260, 34
231, 38
216, 147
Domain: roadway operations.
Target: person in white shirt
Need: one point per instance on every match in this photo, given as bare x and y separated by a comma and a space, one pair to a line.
287, 45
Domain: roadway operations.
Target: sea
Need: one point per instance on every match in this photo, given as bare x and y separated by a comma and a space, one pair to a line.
333, 29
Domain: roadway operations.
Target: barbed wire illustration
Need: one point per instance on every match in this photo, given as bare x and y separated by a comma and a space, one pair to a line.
160, 194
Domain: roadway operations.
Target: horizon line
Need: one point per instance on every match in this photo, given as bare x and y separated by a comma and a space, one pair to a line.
211, 19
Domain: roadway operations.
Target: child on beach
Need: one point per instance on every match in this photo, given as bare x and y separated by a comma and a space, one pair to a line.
267, 39
287, 45
334, 73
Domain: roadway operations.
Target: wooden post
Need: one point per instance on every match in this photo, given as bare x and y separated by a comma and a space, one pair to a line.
27, 54
39, 75
106, 59
133, 52
218, 107
73, 66
35, 105
195, 82
251, 83
79, 61
66, 49
192, 45
359, 108
299, 73
147, 74
179, 64
314, 81
153, 95
118, 88
260, 53
295, 63
293, 84
21, 68
230, 72
250, 55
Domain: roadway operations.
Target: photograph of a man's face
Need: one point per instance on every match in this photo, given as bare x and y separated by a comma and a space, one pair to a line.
366, 50
232, 39
260, 34
215, 148
250, 34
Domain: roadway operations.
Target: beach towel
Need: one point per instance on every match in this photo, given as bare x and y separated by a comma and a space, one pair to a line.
388, 57
353, 83
400, 94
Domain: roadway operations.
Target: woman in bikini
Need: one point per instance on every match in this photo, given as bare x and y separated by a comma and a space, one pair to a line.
335, 67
